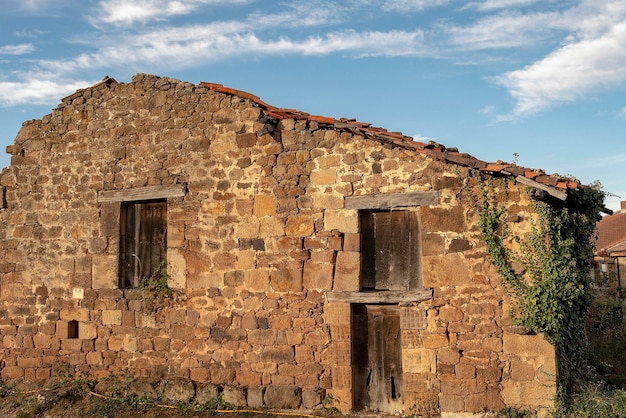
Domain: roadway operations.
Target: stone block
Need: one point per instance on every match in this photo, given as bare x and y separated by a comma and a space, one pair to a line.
342, 377
528, 394
115, 343
465, 371
176, 269
87, 331
283, 397
94, 358
72, 344
527, 346
342, 220
434, 219
264, 205
278, 354
286, 280
12, 372
317, 276
347, 271
129, 344
433, 244
143, 388
338, 353
255, 397
222, 376
300, 226
179, 390
112, 317
522, 371
271, 226
352, 242
489, 400
448, 356
104, 271
324, 177
419, 360
448, 270
337, 313
74, 314
206, 392
327, 201
312, 398
413, 317
235, 395
323, 256
42, 340
248, 378
434, 340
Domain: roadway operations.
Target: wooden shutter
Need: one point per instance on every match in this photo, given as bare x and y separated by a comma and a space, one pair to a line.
143, 245
390, 250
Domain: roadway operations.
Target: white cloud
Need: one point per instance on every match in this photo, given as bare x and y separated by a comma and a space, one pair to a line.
422, 138
505, 30
487, 110
405, 6
197, 45
20, 49
127, 12
491, 5
570, 72
37, 89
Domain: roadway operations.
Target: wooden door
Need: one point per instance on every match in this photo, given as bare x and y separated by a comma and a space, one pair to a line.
377, 359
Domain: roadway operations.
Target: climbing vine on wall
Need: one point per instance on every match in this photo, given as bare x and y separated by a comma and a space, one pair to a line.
551, 290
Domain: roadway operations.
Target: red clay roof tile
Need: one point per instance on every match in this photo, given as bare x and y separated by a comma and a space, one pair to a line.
431, 149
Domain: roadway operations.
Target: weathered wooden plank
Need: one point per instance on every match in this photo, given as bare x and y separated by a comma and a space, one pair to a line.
392, 200
142, 193
552, 191
383, 296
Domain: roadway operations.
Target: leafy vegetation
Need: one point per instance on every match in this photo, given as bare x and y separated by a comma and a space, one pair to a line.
156, 287
552, 290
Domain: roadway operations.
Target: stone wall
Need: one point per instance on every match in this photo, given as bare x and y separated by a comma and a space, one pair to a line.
254, 246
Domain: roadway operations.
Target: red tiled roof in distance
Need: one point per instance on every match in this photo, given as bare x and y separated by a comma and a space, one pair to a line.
611, 231
431, 149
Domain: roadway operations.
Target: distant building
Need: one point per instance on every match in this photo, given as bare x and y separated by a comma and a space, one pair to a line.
610, 261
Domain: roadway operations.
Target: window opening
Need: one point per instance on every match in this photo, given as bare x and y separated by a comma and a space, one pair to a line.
390, 250
72, 329
143, 241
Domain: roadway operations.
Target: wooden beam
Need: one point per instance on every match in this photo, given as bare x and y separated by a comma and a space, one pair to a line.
552, 191
392, 200
382, 296
142, 193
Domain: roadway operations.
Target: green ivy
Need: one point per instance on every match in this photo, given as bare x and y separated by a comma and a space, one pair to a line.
551, 293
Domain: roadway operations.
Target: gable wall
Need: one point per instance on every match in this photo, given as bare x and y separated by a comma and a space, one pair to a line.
253, 246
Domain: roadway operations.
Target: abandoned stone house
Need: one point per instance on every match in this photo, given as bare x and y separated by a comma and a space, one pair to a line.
308, 256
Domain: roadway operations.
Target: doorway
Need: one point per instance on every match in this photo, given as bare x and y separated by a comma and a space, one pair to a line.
377, 359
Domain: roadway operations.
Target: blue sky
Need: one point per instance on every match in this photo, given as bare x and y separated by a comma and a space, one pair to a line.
537, 82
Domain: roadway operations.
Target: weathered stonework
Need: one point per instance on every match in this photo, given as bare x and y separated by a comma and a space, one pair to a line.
255, 246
